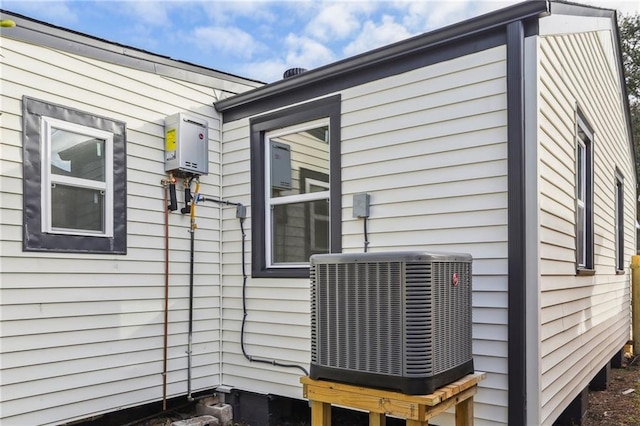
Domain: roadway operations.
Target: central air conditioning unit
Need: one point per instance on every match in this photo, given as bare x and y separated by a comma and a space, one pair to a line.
394, 320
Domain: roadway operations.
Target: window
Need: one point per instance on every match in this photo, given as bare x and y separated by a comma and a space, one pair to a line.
584, 197
295, 171
619, 221
75, 180
77, 163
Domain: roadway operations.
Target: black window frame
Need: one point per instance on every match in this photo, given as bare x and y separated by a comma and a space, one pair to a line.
585, 134
322, 108
34, 239
619, 221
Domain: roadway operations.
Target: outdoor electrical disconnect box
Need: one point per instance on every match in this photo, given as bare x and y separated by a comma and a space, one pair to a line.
186, 145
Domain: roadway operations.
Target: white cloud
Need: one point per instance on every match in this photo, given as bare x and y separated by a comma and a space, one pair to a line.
227, 40
220, 12
267, 71
59, 12
425, 16
306, 53
147, 12
336, 21
377, 34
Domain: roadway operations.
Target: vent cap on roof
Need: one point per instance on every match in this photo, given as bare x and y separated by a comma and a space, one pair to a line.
293, 72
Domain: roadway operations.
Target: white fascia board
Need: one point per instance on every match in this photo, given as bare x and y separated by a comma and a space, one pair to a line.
556, 24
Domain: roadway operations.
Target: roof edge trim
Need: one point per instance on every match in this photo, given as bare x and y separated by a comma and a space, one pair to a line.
393, 52
30, 30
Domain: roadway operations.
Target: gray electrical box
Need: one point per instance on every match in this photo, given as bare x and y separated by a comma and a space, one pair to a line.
186, 144
361, 205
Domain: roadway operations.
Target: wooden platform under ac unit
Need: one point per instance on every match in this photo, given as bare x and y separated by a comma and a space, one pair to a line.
416, 409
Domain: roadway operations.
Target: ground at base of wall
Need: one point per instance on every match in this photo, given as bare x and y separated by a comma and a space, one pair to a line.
616, 406
340, 417
166, 418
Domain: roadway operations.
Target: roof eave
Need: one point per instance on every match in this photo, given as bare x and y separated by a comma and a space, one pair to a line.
37, 32
411, 46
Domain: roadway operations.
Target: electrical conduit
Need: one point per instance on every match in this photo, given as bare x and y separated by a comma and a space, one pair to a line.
191, 254
165, 185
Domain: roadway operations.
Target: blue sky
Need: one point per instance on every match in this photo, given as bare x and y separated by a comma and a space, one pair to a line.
261, 39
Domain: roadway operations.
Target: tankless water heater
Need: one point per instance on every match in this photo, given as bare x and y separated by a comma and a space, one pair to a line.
186, 145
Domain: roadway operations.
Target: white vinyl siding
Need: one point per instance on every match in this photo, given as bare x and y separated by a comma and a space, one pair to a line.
277, 323
429, 146
583, 318
82, 334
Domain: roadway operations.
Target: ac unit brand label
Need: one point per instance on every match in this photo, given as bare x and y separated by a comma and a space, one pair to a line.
455, 279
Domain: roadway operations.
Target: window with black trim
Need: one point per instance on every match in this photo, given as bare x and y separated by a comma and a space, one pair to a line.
295, 174
584, 196
74, 180
619, 222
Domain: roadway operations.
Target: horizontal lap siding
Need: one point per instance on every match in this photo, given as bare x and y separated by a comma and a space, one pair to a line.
83, 333
584, 319
429, 146
277, 322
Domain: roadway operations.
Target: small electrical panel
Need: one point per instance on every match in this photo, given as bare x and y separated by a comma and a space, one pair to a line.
186, 145
280, 165
361, 205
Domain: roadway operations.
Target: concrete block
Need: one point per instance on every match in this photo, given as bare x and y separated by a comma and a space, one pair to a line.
224, 413
198, 421
205, 406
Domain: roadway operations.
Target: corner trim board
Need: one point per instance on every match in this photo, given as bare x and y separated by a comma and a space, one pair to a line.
517, 304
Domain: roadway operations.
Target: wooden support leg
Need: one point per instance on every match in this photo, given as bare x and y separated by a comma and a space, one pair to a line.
464, 412
320, 413
377, 419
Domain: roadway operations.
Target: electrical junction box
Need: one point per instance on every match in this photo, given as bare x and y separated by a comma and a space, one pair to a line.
361, 205
186, 145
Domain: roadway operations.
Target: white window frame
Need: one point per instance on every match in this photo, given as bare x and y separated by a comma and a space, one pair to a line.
313, 217
49, 179
288, 199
